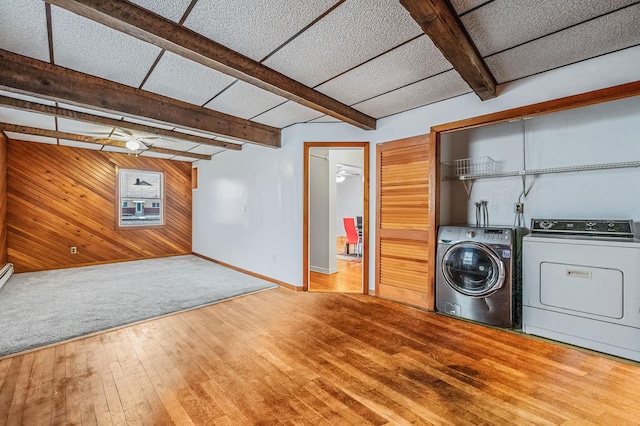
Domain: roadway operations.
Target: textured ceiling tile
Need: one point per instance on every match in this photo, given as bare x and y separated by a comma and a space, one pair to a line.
170, 144
597, 37
26, 98
23, 28
506, 23
26, 118
84, 145
462, 6
147, 123
287, 114
254, 28
244, 100
220, 138
407, 64
82, 128
170, 9
156, 155
185, 80
206, 149
434, 89
92, 48
89, 111
31, 138
355, 32
325, 119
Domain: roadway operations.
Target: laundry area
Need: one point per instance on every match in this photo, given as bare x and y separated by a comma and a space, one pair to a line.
539, 226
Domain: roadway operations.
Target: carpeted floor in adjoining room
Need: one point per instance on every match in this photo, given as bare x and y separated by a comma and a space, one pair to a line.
40, 308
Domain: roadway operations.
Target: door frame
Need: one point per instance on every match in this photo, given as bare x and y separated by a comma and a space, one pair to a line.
365, 213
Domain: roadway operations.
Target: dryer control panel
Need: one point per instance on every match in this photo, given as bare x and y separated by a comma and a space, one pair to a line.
583, 227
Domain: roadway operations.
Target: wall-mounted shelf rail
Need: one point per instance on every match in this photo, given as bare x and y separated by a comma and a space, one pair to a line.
606, 166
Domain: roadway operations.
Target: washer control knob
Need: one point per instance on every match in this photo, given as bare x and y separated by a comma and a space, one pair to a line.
590, 224
471, 234
611, 225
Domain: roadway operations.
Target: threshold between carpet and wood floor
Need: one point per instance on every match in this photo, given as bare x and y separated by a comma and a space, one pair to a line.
41, 308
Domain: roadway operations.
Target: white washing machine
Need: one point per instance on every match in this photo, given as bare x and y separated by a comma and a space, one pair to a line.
581, 284
478, 274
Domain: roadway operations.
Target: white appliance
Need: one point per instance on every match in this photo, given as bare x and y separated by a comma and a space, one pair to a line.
581, 284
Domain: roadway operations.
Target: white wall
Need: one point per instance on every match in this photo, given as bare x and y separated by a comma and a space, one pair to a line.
603, 133
322, 212
349, 201
267, 238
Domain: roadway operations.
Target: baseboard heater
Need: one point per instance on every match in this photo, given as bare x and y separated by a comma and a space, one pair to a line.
5, 273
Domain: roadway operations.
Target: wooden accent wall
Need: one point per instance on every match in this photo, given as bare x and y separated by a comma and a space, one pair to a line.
3, 199
59, 197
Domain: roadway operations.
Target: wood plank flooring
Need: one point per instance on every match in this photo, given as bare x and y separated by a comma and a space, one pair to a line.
281, 357
348, 279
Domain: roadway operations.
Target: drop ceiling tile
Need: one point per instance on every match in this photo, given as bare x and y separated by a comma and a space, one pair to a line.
26, 98
156, 155
254, 28
353, 33
23, 28
147, 123
221, 138
606, 34
31, 138
434, 89
244, 100
26, 118
188, 159
462, 6
83, 128
325, 119
287, 114
194, 133
185, 80
83, 145
407, 64
170, 9
506, 23
92, 48
89, 111
206, 149
170, 144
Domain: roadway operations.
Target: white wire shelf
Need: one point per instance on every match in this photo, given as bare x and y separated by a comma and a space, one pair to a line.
605, 166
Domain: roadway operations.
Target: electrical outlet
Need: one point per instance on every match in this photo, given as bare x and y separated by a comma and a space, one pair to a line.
74, 250
518, 208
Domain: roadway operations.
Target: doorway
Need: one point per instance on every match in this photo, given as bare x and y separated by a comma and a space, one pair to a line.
322, 226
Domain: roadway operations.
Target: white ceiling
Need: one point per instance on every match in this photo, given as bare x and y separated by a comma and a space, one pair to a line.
370, 55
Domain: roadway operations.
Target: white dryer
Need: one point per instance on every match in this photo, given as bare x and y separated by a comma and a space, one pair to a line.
581, 284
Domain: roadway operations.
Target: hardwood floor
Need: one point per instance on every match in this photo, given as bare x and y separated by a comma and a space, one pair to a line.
281, 357
348, 279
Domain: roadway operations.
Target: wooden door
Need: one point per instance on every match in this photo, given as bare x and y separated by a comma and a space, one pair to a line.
406, 220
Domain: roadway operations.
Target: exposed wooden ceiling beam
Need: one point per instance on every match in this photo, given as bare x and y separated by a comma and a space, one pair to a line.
21, 74
6, 127
91, 118
140, 23
440, 22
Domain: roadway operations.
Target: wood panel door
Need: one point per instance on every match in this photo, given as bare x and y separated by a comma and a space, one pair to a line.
406, 220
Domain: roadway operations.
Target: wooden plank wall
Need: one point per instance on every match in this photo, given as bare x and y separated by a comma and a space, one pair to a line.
3, 199
59, 197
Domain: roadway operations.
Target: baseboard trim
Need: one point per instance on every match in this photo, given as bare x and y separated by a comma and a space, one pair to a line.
253, 274
322, 270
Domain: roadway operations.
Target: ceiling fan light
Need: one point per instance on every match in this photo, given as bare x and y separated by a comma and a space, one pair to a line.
133, 145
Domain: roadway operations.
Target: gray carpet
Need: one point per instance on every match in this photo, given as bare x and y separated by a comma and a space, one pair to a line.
40, 308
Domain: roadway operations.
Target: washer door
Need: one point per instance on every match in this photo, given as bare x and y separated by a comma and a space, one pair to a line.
472, 269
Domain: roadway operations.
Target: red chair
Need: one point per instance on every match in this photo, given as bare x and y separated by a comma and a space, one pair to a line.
352, 235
